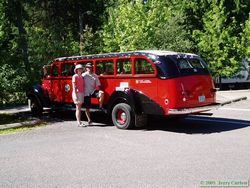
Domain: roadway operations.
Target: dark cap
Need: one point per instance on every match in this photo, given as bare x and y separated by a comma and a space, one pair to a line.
89, 65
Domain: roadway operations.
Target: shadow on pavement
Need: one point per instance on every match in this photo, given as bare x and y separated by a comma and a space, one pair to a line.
188, 125
196, 124
99, 118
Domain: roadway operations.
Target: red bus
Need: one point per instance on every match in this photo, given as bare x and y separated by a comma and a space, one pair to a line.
136, 84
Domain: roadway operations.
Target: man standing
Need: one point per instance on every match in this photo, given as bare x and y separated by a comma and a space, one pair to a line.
92, 89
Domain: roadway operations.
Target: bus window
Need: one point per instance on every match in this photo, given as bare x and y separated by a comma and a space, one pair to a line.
67, 69
190, 66
197, 64
142, 66
104, 67
184, 64
55, 70
124, 66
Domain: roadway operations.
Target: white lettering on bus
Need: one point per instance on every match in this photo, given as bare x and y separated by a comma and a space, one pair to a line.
143, 82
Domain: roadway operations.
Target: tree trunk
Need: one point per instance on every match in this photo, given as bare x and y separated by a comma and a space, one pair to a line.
23, 37
81, 30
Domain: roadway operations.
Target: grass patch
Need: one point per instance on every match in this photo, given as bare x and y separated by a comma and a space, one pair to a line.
19, 118
23, 128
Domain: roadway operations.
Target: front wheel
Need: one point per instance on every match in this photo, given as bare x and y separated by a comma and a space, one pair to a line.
123, 116
35, 106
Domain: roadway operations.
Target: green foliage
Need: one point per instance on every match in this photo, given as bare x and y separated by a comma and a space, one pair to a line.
32, 33
91, 41
217, 41
154, 25
246, 38
12, 84
45, 48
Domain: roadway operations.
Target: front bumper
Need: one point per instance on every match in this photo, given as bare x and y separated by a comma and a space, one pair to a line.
185, 111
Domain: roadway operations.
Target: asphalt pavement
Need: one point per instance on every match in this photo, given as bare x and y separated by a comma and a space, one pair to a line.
221, 96
191, 152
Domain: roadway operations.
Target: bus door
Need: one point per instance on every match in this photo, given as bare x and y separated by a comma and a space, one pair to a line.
66, 81
123, 74
105, 71
145, 78
55, 91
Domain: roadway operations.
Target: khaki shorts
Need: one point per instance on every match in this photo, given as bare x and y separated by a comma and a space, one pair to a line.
79, 99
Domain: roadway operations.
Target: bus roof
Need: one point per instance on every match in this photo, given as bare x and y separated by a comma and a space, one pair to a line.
125, 54
164, 53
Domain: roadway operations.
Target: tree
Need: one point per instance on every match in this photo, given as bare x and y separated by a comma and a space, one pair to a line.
217, 41
134, 25
245, 44
13, 75
16, 15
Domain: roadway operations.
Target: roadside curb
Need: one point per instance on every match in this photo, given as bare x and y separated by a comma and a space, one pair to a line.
21, 124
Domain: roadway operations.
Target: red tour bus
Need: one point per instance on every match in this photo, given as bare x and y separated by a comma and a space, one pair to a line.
136, 84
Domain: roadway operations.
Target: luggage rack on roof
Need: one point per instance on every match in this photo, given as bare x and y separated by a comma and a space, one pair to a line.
147, 53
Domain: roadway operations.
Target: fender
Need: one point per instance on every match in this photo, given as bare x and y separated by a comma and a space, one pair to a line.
145, 105
139, 102
39, 93
119, 97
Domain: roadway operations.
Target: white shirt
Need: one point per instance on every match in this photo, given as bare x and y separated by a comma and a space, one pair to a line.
91, 82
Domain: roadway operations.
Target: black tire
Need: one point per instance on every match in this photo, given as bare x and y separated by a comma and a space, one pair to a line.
123, 116
35, 106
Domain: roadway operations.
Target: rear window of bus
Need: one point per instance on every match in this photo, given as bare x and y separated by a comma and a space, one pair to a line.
173, 66
191, 66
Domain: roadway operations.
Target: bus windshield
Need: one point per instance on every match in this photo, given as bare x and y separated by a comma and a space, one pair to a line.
175, 66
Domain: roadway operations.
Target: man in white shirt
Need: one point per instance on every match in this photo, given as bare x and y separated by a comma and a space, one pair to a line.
92, 89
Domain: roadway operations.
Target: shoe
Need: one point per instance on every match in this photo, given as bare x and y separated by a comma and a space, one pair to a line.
90, 123
83, 125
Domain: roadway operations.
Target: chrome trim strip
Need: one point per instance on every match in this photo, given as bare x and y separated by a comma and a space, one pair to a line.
184, 111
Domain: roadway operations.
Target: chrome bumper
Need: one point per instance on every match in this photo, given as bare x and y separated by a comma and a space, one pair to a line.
184, 111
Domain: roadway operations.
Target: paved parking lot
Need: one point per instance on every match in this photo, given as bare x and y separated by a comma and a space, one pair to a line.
166, 153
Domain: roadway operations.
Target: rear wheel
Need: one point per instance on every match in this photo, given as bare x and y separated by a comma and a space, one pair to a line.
35, 106
123, 116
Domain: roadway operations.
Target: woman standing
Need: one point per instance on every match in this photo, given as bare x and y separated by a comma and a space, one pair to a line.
78, 92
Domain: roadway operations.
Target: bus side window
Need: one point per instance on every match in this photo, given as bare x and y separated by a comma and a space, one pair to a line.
67, 69
105, 67
124, 66
142, 66
55, 70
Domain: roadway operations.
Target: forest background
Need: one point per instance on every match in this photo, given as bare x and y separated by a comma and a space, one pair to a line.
34, 32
